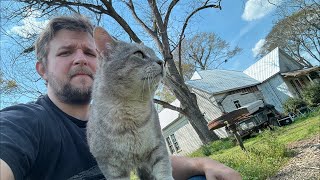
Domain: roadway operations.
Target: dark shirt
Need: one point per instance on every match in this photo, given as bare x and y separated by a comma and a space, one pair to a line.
39, 141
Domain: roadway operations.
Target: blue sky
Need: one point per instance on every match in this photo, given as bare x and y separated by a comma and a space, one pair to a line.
240, 22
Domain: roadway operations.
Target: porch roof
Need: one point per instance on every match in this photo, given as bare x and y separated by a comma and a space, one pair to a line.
301, 72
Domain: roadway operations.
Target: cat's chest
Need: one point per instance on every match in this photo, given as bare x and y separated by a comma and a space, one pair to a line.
135, 141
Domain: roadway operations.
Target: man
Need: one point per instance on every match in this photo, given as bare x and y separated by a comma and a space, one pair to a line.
46, 139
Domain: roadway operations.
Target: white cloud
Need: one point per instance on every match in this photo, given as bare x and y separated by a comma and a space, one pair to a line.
29, 26
256, 9
258, 47
243, 31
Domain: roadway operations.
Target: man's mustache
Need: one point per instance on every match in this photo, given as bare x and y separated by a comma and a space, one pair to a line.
80, 70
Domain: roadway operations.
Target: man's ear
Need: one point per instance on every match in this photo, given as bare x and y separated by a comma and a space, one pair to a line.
41, 70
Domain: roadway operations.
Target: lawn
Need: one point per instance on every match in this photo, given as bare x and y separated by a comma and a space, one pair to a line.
267, 152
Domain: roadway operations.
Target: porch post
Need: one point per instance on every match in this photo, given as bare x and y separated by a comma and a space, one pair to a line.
310, 79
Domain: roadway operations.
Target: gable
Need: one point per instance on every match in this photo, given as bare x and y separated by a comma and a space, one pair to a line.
271, 64
266, 67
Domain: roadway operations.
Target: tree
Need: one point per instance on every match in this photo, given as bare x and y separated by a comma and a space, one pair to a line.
207, 50
203, 51
297, 32
155, 18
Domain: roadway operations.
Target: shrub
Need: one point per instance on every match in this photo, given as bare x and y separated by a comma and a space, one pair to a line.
293, 104
311, 94
214, 147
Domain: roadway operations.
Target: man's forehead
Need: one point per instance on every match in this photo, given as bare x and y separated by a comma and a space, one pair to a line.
69, 39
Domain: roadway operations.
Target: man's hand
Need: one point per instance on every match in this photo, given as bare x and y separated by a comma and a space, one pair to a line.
5, 171
184, 168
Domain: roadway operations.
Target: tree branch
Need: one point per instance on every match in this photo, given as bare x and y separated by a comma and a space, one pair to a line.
169, 106
185, 26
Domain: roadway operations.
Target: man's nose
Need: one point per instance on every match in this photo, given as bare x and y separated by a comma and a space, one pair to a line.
80, 58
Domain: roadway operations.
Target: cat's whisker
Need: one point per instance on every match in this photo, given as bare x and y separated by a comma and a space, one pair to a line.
142, 91
149, 78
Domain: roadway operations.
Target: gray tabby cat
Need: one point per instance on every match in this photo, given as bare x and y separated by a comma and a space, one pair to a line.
123, 131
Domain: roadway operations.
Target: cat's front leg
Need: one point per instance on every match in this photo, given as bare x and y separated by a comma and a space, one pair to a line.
112, 172
162, 170
159, 166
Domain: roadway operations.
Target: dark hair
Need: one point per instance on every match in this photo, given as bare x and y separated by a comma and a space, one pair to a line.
73, 23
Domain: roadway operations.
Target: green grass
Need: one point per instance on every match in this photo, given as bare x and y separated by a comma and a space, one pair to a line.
267, 152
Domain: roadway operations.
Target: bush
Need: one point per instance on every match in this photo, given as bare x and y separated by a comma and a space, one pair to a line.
311, 94
293, 104
214, 147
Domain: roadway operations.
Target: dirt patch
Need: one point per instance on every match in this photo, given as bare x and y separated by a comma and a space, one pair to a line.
305, 165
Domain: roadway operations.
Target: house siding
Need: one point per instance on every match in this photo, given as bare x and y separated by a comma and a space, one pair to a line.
287, 63
209, 107
243, 99
186, 136
276, 91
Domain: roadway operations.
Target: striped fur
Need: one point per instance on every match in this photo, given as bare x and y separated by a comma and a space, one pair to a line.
123, 131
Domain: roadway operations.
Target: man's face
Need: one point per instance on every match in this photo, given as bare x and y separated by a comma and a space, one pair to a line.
71, 64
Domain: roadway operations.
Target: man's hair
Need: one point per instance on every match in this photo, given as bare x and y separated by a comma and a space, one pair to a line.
73, 23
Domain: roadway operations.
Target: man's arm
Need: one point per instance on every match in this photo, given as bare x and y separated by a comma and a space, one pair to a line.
184, 168
5, 171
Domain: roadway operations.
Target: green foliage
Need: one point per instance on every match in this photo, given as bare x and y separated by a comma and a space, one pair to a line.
311, 94
214, 147
267, 152
294, 33
293, 104
262, 159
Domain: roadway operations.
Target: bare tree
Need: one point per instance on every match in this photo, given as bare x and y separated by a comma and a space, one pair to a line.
203, 51
155, 19
297, 32
207, 50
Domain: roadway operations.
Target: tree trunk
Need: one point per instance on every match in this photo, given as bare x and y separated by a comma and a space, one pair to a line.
189, 103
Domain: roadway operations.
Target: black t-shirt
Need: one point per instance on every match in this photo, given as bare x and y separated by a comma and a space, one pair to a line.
39, 141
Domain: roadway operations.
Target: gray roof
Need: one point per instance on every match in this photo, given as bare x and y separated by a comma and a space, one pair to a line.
218, 81
272, 64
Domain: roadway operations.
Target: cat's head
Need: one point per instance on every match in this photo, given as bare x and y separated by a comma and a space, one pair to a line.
131, 70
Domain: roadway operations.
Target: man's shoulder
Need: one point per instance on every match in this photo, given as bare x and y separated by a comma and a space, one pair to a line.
31, 109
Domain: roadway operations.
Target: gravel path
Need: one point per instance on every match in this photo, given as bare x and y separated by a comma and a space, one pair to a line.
305, 165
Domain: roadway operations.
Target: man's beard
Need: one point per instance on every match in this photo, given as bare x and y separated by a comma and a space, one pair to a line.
69, 94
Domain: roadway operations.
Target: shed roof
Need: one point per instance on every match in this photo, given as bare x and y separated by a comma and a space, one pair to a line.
218, 81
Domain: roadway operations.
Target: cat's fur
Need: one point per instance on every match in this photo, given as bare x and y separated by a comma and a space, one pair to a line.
123, 131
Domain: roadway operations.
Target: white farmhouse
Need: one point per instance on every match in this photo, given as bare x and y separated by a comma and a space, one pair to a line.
271, 80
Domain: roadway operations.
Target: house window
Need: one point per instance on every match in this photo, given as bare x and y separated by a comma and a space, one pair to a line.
172, 143
237, 104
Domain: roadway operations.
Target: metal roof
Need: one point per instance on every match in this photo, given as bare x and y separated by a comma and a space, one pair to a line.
218, 81
266, 67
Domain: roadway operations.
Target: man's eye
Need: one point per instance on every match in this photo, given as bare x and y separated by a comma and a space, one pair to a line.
64, 53
91, 54
139, 54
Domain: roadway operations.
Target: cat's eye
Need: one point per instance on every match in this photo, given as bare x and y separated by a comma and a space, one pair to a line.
139, 54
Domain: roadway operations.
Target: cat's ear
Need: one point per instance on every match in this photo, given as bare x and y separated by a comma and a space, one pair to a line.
104, 41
